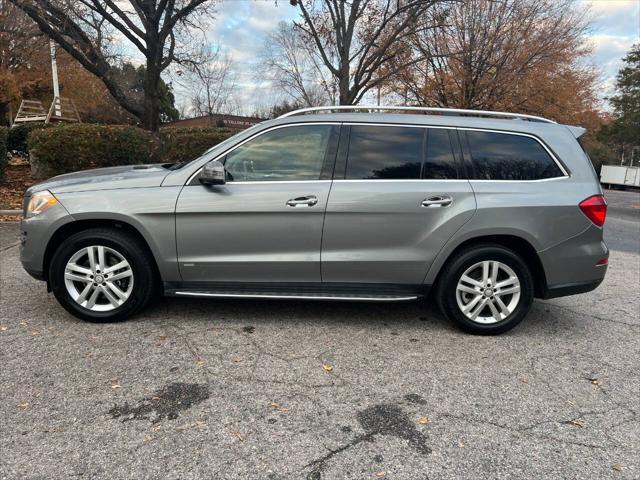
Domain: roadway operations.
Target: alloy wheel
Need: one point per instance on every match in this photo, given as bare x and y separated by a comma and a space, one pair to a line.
488, 292
98, 278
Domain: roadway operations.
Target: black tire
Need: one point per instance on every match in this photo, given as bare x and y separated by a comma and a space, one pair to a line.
446, 292
144, 276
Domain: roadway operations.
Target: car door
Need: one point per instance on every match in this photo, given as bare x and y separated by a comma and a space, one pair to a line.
265, 223
401, 195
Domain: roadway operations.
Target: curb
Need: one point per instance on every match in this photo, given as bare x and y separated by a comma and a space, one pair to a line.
11, 212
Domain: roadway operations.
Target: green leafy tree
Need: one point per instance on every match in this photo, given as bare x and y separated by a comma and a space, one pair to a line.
624, 130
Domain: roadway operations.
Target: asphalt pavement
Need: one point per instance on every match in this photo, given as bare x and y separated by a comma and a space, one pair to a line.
310, 390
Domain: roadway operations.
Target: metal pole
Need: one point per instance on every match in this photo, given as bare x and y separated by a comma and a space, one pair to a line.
54, 76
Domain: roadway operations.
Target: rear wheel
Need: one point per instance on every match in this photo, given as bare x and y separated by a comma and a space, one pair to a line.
486, 289
102, 275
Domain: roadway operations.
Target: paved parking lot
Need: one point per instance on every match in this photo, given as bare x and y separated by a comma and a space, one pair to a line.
275, 390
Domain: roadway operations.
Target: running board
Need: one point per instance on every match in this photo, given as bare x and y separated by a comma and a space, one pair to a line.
349, 298
334, 292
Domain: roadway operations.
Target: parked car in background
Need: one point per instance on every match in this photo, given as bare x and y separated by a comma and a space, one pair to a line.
482, 210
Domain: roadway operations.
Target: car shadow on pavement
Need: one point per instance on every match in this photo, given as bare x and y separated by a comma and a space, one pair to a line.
544, 318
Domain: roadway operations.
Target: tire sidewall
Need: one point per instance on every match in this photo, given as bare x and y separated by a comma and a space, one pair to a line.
460, 264
123, 245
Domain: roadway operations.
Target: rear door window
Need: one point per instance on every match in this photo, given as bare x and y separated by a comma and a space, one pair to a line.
380, 152
501, 156
440, 163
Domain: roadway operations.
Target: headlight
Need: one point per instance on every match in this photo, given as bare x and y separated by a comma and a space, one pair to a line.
40, 202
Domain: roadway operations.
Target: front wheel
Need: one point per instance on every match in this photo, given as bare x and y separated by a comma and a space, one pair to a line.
102, 275
486, 289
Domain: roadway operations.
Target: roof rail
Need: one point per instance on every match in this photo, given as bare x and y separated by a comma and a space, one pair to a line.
444, 111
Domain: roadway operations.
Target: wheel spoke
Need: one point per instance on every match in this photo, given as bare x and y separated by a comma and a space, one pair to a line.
485, 274
118, 276
116, 267
92, 258
92, 299
495, 267
84, 293
113, 300
503, 308
77, 278
470, 281
476, 311
508, 291
101, 263
464, 288
505, 283
78, 268
494, 311
472, 304
114, 288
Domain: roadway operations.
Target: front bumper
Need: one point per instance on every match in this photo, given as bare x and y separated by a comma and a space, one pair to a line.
35, 234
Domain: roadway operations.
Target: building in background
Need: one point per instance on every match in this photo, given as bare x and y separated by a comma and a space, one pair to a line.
215, 120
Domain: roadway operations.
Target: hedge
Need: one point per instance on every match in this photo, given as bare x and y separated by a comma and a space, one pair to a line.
4, 133
67, 148
179, 144
18, 134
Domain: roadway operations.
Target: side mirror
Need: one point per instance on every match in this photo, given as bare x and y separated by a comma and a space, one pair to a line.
213, 173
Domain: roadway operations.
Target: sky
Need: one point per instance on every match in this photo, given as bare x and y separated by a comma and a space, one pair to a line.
241, 28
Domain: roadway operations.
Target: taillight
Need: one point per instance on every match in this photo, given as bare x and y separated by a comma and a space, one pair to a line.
595, 208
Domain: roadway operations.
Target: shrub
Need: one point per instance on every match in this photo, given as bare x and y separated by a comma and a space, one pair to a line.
179, 144
18, 134
67, 148
4, 132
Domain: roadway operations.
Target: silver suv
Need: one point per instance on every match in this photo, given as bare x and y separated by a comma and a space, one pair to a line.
484, 210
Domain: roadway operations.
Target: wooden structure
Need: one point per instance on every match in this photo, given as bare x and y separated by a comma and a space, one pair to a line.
30, 111
62, 110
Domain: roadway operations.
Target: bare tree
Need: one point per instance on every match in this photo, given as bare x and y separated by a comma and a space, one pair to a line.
209, 80
153, 27
493, 54
356, 38
295, 67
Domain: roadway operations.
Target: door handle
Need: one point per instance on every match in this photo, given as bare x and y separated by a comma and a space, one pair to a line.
437, 201
308, 201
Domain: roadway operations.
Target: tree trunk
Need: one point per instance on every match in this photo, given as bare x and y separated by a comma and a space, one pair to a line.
152, 86
152, 98
343, 85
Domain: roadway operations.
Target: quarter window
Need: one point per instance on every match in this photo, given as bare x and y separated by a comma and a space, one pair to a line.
290, 153
500, 156
377, 152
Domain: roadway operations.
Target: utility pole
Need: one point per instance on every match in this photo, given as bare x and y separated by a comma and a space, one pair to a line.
54, 76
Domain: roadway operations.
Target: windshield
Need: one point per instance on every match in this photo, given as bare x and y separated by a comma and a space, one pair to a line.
231, 139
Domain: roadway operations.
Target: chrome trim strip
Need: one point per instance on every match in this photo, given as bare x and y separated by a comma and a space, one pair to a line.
479, 113
297, 297
403, 180
279, 181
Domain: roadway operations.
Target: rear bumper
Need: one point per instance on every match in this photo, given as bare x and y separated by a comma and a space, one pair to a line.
571, 267
555, 291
